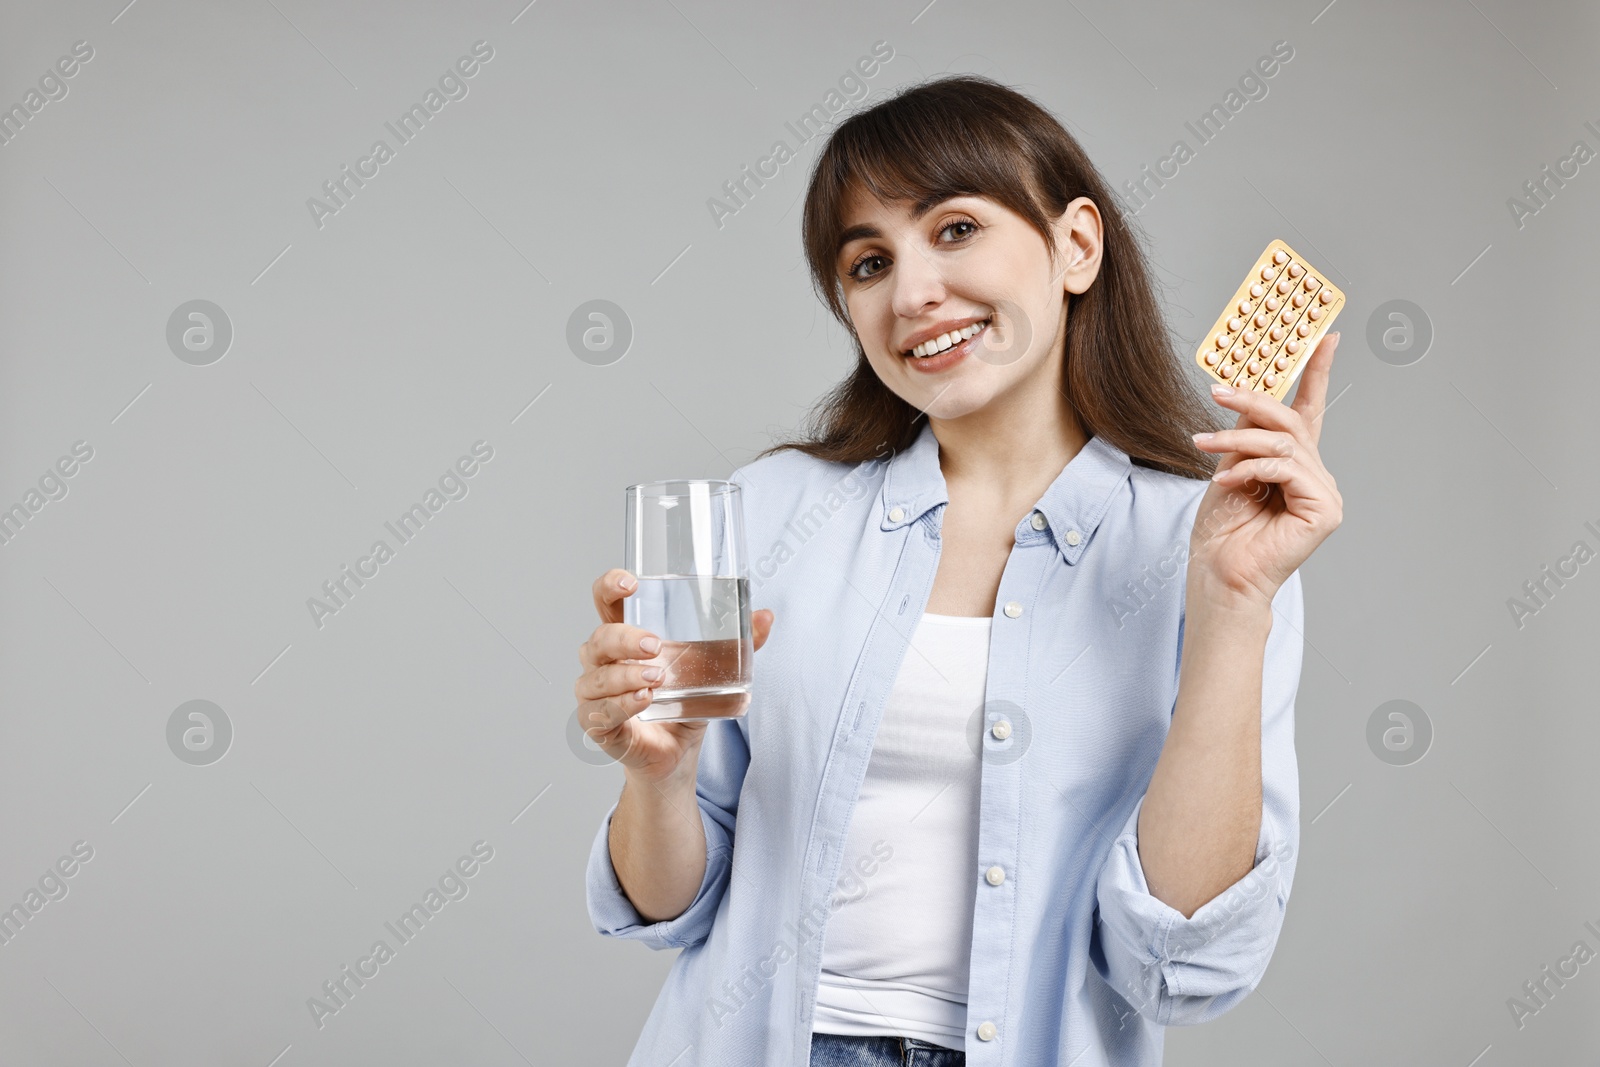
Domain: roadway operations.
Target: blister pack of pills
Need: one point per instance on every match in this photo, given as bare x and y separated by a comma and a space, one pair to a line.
1269, 330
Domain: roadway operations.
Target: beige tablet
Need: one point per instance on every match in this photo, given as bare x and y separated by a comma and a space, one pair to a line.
1282, 309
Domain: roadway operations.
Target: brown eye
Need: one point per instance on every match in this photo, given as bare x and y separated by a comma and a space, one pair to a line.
855, 270
971, 226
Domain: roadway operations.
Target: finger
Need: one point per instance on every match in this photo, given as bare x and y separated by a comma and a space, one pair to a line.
1227, 458
1267, 412
1250, 442
1310, 398
1269, 444
599, 717
609, 592
761, 625
1243, 421
616, 679
1297, 482
612, 641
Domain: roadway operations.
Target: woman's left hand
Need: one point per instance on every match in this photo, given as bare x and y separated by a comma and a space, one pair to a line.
1249, 537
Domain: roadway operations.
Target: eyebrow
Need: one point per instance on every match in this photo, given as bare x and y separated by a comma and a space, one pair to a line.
919, 208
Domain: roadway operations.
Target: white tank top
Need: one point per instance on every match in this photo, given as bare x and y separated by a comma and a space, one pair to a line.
896, 955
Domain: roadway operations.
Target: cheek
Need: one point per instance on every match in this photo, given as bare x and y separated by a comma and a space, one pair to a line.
884, 366
871, 323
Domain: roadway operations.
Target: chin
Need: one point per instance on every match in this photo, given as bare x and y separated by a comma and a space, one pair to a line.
953, 404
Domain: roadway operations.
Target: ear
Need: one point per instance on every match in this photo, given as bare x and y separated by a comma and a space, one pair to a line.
1079, 236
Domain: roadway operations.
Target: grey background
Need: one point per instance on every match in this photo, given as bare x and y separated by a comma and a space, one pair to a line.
431, 312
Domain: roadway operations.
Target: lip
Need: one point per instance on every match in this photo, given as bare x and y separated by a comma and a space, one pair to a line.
948, 358
931, 332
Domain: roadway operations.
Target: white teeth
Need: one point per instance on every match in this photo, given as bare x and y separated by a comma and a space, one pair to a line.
944, 341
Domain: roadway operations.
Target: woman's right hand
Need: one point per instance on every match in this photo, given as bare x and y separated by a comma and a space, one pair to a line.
609, 689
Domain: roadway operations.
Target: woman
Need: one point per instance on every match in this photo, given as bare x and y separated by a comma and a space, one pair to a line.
1019, 766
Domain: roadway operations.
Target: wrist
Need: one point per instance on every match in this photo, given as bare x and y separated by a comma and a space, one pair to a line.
1240, 610
679, 782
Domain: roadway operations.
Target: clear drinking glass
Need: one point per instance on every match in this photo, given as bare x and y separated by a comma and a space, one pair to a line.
685, 544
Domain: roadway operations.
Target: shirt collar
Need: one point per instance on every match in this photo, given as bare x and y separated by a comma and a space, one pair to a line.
1072, 507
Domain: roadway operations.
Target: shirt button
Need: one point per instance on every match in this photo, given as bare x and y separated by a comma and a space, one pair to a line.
995, 875
1013, 609
896, 514
1039, 521
1073, 537
986, 1031
1001, 729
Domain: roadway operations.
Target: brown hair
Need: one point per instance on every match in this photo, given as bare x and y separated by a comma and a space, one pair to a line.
966, 135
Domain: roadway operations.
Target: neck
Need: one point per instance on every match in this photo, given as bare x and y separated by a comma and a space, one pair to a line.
1013, 448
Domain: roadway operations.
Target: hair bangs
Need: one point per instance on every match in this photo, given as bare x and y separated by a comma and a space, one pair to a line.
922, 152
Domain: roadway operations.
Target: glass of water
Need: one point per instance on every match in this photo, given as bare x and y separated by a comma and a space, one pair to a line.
685, 544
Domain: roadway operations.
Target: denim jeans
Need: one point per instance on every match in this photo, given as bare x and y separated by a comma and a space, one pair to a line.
839, 1050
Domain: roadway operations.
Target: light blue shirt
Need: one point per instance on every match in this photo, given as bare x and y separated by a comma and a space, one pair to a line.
1073, 960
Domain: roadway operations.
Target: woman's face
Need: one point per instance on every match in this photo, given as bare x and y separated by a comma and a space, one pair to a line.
969, 276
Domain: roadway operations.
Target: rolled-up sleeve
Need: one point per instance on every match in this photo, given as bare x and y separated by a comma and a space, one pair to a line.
724, 758
1179, 971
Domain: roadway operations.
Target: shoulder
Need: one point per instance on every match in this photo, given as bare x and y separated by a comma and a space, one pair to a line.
789, 491
777, 467
786, 478
1162, 504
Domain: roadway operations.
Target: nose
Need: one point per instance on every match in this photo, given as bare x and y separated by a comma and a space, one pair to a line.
918, 285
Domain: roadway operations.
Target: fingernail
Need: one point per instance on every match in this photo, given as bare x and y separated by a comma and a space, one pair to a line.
1336, 337
652, 674
1203, 437
643, 694
651, 644
627, 581
1218, 389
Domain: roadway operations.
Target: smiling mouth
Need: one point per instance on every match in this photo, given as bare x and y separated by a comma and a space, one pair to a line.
945, 341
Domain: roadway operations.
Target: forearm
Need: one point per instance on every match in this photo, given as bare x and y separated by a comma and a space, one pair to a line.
658, 845
1201, 816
